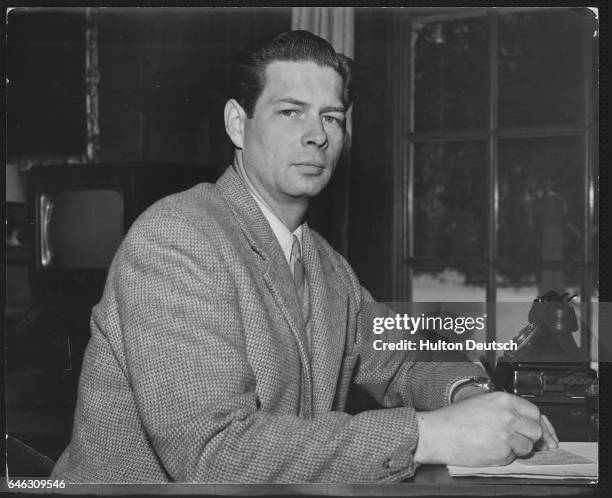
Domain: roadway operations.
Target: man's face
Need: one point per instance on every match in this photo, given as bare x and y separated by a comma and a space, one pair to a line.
293, 141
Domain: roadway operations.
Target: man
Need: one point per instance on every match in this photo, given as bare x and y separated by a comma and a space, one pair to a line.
229, 331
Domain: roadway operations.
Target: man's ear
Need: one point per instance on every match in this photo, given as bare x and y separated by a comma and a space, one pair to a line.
234, 116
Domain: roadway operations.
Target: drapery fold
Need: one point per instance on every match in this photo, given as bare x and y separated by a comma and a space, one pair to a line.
335, 24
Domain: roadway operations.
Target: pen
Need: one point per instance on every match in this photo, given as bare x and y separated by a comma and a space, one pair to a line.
496, 384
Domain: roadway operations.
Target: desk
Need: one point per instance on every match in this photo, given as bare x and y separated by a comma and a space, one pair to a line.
430, 480
430, 477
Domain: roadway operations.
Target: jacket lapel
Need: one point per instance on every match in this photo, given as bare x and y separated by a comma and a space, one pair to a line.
276, 273
328, 321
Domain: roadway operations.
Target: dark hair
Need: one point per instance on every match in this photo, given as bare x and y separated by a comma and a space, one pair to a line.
295, 46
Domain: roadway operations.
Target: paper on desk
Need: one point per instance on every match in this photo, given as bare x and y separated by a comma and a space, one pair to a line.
557, 456
571, 461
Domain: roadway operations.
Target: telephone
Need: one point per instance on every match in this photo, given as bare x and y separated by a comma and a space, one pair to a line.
547, 359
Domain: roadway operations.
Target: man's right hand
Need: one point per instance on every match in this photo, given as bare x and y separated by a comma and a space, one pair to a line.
491, 429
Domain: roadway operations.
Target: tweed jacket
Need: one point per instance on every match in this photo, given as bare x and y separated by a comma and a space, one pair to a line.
199, 367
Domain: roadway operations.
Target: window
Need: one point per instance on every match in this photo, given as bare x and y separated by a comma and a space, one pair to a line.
499, 185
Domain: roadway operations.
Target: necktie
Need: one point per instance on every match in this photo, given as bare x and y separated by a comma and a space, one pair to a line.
297, 267
299, 276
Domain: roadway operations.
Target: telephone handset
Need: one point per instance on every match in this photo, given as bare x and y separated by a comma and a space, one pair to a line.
549, 332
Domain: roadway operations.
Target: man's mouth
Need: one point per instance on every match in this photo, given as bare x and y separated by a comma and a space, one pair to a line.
313, 164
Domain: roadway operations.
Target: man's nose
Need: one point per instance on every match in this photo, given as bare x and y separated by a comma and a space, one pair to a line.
314, 133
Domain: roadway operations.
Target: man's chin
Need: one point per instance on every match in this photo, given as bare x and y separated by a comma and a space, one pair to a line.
309, 187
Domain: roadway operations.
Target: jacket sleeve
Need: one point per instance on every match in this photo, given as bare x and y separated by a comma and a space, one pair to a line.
180, 341
420, 379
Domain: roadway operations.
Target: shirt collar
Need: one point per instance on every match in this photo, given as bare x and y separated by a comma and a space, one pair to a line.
281, 232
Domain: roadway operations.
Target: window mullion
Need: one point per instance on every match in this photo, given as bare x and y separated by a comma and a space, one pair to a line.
492, 193
501, 132
402, 104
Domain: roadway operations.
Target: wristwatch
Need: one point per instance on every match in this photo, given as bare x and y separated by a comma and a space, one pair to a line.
482, 383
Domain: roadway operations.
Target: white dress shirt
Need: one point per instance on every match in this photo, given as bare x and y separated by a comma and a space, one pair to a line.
282, 233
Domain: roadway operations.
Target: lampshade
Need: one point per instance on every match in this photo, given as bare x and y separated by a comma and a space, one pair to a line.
14, 189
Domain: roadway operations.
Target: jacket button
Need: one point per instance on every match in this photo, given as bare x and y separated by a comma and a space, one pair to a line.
387, 463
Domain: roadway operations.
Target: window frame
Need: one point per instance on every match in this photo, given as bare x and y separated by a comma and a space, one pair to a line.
404, 258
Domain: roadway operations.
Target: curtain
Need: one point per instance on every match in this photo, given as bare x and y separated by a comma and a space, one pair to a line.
335, 24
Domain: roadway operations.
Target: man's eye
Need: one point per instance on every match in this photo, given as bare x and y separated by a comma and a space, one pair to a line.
333, 120
289, 113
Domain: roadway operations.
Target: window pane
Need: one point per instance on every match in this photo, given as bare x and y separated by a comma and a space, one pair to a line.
525, 283
541, 198
450, 75
450, 199
541, 67
450, 284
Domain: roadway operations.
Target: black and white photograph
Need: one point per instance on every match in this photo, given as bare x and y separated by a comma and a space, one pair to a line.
303, 250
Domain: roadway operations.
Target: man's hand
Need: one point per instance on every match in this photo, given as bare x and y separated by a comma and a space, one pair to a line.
491, 429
